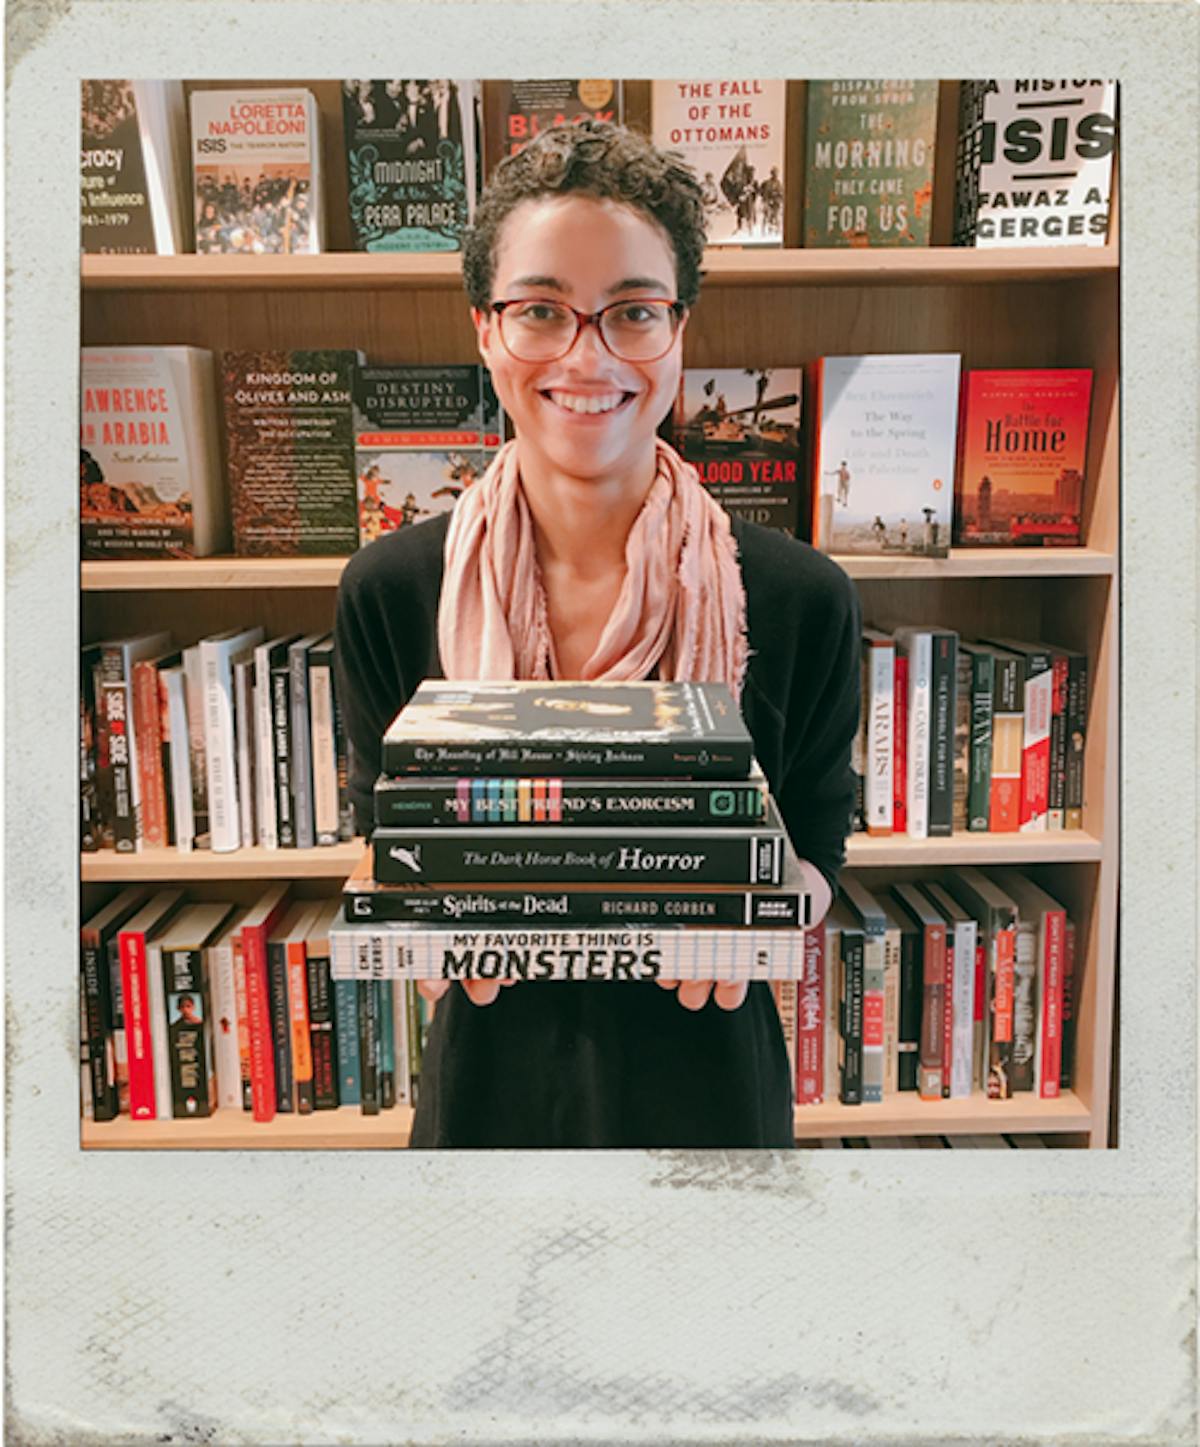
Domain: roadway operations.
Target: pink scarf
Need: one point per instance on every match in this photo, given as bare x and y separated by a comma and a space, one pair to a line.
681, 609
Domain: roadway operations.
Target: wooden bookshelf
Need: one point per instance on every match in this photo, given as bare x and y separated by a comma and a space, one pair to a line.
1035, 307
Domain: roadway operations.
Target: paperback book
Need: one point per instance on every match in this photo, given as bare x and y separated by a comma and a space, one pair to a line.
133, 168
517, 110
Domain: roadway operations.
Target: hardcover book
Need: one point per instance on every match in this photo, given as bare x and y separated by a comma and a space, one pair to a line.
869, 173
189, 1014
1034, 162
962, 932
810, 1020
850, 1004
150, 480
133, 168
883, 466
411, 162
1047, 923
979, 679
1022, 458
134, 941
996, 915
256, 164
99, 1015
593, 730
879, 718
731, 132
517, 110
869, 916
932, 1061
740, 430
1035, 672
290, 435
422, 435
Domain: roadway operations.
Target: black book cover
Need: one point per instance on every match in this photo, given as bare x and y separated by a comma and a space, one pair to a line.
322, 1031
579, 729
852, 1018
368, 1046
911, 995
281, 728
1077, 704
941, 735
114, 701
281, 1024
101, 1009
387, 1043
979, 777
192, 1089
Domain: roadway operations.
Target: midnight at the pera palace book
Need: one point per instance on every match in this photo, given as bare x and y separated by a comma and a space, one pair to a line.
569, 728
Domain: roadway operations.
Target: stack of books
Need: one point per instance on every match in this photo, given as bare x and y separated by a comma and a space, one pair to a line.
566, 830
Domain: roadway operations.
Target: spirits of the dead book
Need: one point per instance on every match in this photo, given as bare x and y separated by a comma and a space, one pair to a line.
411, 166
595, 730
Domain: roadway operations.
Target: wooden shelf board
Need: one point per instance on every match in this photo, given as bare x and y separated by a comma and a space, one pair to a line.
343, 1129
906, 1114
1057, 846
723, 266
222, 573
331, 861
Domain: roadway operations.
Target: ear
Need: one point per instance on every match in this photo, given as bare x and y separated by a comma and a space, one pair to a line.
485, 331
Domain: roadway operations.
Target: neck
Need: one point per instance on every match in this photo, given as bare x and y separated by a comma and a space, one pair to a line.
582, 524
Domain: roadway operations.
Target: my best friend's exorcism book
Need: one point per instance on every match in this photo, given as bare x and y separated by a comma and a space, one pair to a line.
569, 728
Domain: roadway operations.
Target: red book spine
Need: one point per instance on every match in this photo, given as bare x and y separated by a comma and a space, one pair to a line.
931, 1059
978, 1067
810, 1023
900, 748
948, 1016
135, 995
999, 1084
1053, 950
258, 1010
152, 822
1068, 1008
1035, 751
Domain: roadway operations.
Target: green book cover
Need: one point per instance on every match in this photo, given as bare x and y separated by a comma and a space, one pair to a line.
869, 153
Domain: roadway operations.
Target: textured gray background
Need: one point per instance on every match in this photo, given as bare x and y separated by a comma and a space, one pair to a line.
626, 1298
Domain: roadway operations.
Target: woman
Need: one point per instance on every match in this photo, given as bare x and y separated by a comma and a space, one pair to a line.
590, 550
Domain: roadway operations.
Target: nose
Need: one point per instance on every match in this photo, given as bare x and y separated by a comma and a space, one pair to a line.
589, 344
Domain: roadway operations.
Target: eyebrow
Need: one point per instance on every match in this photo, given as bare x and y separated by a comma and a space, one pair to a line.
631, 283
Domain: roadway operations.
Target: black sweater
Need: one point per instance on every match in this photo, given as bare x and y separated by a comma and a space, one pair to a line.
575, 1064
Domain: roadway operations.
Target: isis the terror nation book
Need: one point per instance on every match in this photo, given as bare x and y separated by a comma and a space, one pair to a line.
569, 728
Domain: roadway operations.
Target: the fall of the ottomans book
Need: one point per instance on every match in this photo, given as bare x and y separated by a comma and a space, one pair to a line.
883, 469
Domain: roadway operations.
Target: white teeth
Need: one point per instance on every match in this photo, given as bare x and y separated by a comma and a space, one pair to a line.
574, 403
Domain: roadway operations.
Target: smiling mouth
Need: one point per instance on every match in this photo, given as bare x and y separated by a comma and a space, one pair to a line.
597, 405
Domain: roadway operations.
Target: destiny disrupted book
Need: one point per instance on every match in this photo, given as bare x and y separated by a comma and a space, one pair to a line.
582, 729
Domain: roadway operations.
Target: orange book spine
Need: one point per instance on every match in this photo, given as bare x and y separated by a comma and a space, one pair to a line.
302, 1061
152, 815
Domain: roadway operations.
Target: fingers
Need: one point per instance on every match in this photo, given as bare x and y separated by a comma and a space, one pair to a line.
481, 992
433, 990
694, 994
731, 994
667, 984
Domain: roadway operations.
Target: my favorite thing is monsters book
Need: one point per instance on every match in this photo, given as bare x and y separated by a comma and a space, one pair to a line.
869, 172
740, 429
290, 436
731, 132
411, 162
883, 472
422, 435
1034, 162
582, 729
1022, 457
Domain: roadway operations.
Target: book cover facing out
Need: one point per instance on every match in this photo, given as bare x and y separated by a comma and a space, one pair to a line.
517, 110
410, 162
1022, 458
114, 204
577, 728
290, 436
731, 132
422, 435
740, 430
883, 473
869, 171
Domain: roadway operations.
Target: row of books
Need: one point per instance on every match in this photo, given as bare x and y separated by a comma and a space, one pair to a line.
324, 452
241, 170
190, 1008
977, 1140
234, 740
952, 985
986, 736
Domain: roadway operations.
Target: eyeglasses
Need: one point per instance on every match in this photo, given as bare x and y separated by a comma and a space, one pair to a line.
544, 331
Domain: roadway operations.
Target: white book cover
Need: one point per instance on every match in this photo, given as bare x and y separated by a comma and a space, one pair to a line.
301, 741
160, 1046
180, 756
879, 707
244, 725
885, 456
963, 929
216, 656
265, 654
1035, 162
731, 132
918, 645
324, 752
256, 170
223, 988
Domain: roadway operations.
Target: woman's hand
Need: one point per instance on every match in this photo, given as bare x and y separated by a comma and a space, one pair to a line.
693, 994
479, 992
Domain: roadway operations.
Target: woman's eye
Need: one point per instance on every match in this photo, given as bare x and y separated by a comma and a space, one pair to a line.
540, 311
636, 313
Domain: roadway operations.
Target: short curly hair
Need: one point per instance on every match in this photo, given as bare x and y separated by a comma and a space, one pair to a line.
594, 158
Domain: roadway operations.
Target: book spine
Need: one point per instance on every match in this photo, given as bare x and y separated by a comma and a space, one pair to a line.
243, 685
442, 856
880, 702
281, 691
908, 1045
920, 686
933, 1010
979, 789
157, 1011
1035, 748
873, 1019
120, 1048
97, 1004
948, 1014
226, 1025
941, 735
165, 760
454, 803
831, 1012
120, 762
966, 934
342, 756
1024, 1030
1007, 731
302, 775
258, 1015
1000, 1023
345, 1017
726, 758
810, 1020
264, 750
194, 688
243, 1022
135, 995
301, 1039
1051, 959
979, 1034
900, 741
1077, 706
729, 907
219, 754
851, 1021
324, 754
962, 740
785, 1007
322, 1032
550, 954
152, 830
368, 1046
391, 1039
281, 1025
89, 803
1056, 812
891, 1012
1066, 1069
180, 754
105, 806
412, 1010
193, 1077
